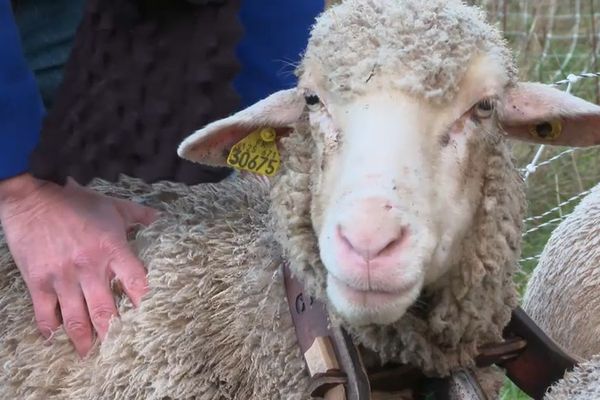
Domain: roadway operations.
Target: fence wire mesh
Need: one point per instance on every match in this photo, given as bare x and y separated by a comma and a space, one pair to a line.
552, 38
555, 42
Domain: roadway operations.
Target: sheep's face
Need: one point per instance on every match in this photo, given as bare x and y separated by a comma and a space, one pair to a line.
397, 187
404, 99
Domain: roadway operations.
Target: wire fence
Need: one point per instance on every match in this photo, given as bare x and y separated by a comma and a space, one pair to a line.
555, 42
552, 38
558, 42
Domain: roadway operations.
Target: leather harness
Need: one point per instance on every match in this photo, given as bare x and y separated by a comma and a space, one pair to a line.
530, 358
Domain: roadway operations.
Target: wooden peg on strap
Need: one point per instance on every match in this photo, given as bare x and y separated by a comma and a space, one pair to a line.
332, 359
336, 393
320, 357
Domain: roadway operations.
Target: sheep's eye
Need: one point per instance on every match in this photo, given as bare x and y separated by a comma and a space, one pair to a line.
312, 99
484, 109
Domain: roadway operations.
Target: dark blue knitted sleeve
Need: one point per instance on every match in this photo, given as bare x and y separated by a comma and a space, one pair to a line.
21, 107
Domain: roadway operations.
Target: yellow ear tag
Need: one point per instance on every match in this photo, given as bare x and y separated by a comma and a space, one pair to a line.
256, 153
548, 130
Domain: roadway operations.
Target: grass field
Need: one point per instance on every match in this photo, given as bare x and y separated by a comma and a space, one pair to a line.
551, 39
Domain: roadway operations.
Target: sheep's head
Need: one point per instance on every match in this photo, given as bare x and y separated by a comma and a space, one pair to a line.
402, 100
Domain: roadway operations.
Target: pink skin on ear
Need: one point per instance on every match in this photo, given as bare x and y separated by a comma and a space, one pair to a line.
539, 113
211, 144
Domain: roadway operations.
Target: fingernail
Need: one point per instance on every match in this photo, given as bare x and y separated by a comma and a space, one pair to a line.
83, 354
46, 333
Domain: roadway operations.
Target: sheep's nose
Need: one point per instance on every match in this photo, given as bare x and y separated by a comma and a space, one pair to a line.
372, 244
372, 233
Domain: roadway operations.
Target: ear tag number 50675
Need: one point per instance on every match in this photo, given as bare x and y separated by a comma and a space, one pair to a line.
256, 153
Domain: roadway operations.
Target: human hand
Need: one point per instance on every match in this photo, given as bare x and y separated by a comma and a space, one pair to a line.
69, 243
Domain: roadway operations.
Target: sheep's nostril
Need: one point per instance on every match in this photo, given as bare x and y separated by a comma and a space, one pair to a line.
392, 245
373, 244
343, 238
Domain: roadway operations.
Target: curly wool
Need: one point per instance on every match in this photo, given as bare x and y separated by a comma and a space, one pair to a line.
215, 324
435, 40
562, 293
425, 46
583, 383
468, 307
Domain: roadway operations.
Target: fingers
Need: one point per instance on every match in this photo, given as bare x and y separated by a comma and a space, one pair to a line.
134, 213
100, 304
130, 271
75, 318
45, 311
80, 238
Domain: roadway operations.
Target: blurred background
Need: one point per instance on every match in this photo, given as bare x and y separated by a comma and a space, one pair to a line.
551, 40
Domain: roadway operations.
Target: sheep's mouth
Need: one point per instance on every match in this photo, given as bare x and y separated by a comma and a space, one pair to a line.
369, 297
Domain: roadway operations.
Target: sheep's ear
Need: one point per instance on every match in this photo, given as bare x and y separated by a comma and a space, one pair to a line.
211, 144
540, 113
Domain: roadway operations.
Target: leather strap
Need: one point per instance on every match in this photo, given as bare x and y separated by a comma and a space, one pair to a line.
532, 360
541, 363
332, 359
395, 378
358, 385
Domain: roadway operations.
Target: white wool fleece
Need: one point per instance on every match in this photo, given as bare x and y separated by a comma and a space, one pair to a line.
425, 45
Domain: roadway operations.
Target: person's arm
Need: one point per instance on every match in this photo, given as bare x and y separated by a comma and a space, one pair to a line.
21, 108
68, 242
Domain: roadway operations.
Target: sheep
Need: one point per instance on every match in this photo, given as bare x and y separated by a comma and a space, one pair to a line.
396, 203
561, 295
580, 384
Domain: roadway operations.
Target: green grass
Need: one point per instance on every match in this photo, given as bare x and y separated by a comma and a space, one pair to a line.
511, 392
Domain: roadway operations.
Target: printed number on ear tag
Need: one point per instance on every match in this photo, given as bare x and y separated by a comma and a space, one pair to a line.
256, 153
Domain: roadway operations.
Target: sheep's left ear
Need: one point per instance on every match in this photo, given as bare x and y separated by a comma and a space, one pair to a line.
539, 113
211, 144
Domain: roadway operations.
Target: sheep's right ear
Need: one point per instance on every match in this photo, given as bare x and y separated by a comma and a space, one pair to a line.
211, 144
539, 113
